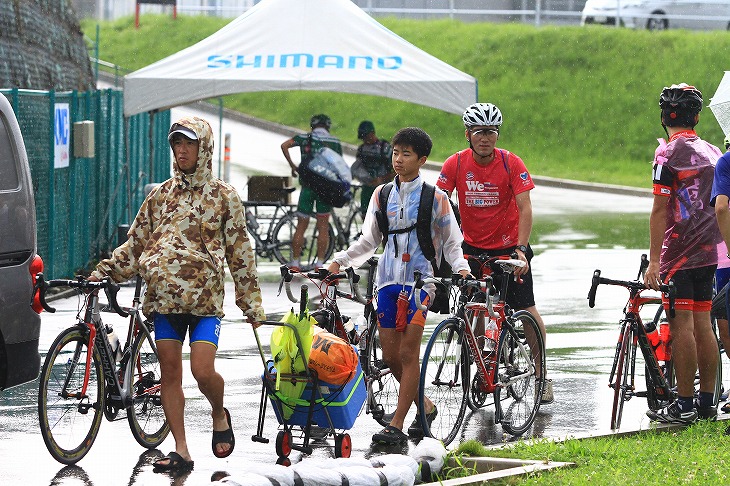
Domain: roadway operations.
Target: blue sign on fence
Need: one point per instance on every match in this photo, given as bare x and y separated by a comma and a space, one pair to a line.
62, 135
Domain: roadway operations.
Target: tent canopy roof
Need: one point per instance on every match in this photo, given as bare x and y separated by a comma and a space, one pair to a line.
317, 45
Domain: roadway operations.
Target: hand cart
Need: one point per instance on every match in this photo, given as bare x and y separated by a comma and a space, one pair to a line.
320, 412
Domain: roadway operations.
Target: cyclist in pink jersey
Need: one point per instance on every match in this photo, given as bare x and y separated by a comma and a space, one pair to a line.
494, 187
683, 248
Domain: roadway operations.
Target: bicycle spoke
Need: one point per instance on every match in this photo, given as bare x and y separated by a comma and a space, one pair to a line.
444, 380
521, 354
146, 416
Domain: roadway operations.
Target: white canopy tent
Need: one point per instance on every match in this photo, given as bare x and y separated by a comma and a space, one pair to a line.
317, 45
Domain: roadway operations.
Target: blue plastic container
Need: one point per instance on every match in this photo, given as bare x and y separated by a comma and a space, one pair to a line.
342, 402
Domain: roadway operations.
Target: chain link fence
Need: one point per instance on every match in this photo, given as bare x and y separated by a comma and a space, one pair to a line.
80, 206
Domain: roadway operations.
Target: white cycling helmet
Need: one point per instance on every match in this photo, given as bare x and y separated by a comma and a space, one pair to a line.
482, 114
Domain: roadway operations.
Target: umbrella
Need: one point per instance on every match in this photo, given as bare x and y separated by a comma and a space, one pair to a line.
289, 358
720, 103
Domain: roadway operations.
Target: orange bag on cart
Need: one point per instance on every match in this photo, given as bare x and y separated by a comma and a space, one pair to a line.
333, 358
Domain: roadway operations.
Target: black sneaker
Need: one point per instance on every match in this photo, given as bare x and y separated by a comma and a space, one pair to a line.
705, 413
672, 414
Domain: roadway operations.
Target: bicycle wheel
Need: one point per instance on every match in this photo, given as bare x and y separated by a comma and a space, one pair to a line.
445, 380
145, 415
520, 373
282, 240
354, 226
621, 378
381, 383
69, 423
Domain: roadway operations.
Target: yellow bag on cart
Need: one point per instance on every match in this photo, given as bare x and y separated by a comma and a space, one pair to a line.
288, 357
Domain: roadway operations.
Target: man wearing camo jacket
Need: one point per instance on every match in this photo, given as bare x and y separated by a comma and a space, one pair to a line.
185, 231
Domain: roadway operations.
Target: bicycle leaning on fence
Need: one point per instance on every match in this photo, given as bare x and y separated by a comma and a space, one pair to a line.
510, 366
381, 384
81, 380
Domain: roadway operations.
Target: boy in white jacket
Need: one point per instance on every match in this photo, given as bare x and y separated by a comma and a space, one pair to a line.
401, 257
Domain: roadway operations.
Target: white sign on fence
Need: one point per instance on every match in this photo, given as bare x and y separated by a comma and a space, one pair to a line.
61, 135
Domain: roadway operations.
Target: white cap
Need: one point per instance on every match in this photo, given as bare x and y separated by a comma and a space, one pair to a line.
184, 131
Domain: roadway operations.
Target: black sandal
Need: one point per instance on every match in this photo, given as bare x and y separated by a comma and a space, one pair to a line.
415, 429
175, 462
390, 435
224, 437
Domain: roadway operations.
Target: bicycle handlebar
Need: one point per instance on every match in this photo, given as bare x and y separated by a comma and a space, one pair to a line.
597, 280
456, 279
110, 288
325, 277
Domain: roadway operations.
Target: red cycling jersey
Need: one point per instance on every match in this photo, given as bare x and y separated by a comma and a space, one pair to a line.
489, 214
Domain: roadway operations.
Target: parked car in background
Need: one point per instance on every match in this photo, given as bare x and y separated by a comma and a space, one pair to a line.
659, 14
20, 322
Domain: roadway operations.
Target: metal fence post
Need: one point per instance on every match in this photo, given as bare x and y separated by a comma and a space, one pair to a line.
50, 261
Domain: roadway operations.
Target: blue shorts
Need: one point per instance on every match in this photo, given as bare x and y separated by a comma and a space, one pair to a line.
388, 306
175, 326
722, 276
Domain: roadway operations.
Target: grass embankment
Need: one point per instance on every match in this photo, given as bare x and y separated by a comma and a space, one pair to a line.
695, 455
579, 103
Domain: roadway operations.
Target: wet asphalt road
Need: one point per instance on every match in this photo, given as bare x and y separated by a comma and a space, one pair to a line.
580, 350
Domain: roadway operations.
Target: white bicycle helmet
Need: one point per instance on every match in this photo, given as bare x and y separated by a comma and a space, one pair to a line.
482, 114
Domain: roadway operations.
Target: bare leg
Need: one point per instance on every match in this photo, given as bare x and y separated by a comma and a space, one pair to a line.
210, 383
401, 350
531, 337
323, 235
173, 399
684, 351
297, 241
707, 351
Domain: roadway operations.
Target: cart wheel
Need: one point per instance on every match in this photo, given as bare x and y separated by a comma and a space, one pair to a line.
283, 461
343, 445
283, 444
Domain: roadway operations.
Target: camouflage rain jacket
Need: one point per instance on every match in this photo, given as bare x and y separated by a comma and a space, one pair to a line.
185, 230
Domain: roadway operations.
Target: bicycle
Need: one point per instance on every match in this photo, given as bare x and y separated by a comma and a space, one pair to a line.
512, 371
80, 379
348, 224
381, 384
659, 374
276, 241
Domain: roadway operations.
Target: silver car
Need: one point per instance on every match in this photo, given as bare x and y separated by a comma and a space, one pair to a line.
20, 322
659, 14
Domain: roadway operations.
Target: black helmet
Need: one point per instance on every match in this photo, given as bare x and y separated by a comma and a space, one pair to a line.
680, 104
320, 121
365, 128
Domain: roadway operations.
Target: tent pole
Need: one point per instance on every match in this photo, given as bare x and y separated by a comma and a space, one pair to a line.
220, 134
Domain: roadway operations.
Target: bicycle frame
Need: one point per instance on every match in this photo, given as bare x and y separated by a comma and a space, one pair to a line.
498, 312
265, 246
633, 323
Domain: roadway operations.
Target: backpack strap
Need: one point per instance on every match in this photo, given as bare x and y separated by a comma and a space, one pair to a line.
423, 222
381, 215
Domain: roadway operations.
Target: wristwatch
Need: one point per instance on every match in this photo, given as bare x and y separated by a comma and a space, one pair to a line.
522, 248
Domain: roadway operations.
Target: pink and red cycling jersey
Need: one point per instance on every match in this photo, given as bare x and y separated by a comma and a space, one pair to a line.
683, 172
489, 215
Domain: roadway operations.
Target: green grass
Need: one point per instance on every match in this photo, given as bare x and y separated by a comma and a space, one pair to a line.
579, 103
695, 455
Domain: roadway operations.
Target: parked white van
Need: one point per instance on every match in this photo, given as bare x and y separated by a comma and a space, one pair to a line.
659, 14
20, 322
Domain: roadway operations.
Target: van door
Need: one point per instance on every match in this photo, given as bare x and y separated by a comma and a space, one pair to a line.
19, 324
